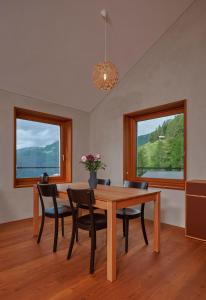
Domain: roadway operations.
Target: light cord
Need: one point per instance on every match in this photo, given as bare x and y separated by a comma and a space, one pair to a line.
105, 38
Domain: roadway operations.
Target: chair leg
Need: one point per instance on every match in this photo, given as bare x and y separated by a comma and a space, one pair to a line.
56, 228
62, 226
74, 231
92, 257
143, 225
95, 237
126, 234
123, 222
41, 229
77, 234
95, 240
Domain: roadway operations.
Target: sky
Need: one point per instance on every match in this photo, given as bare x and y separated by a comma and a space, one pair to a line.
35, 134
148, 126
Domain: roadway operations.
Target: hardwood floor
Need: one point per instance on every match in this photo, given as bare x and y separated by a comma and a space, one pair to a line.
31, 271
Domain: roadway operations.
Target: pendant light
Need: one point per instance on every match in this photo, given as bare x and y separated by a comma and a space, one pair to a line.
105, 74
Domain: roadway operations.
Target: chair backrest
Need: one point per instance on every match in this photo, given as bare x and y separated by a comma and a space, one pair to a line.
81, 197
137, 185
48, 191
104, 181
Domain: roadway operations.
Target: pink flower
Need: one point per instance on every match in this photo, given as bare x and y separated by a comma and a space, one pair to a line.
90, 157
98, 156
83, 158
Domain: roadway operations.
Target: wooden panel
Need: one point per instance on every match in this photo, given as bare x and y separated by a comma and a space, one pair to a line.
196, 217
136, 201
158, 109
109, 193
27, 114
196, 187
111, 241
156, 245
35, 211
100, 204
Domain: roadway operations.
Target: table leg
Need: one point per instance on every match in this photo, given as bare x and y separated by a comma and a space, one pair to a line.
35, 211
156, 246
111, 241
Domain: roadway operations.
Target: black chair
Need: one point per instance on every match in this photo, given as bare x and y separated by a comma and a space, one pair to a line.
129, 213
56, 212
90, 222
99, 181
83, 206
104, 181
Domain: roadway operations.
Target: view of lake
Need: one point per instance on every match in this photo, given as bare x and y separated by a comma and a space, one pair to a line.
38, 149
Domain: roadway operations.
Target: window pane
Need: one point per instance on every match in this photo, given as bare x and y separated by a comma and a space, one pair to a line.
160, 147
37, 149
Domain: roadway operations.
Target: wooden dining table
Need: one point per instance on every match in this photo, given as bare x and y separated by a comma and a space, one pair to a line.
109, 198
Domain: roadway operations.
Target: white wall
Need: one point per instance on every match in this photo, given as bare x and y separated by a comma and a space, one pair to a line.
174, 68
17, 203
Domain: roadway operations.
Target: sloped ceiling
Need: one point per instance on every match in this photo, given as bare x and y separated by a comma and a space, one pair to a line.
48, 48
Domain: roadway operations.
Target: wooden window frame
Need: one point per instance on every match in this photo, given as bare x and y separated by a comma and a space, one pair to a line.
130, 145
66, 145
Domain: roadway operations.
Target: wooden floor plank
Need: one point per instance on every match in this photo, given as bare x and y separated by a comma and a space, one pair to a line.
31, 271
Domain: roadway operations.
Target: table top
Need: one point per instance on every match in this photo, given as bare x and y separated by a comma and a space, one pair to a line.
109, 193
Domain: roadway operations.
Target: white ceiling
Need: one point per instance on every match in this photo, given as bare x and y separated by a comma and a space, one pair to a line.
48, 48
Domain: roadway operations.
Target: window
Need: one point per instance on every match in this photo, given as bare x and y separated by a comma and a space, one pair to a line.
42, 144
155, 146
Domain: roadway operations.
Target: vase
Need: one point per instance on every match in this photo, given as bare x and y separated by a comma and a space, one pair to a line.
93, 180
44, 178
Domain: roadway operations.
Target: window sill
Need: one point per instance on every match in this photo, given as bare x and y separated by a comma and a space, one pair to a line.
29, 184
168, 186
172, 184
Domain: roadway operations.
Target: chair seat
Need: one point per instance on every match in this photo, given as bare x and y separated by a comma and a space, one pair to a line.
63, 211
86, 206
100, 220
129, 212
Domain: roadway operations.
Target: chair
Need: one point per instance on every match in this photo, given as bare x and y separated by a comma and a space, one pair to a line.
56, 212
129, 213
104, 181
90, 222
99, 181
83, 206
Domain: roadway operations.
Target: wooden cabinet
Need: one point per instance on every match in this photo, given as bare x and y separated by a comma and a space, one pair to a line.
196, 209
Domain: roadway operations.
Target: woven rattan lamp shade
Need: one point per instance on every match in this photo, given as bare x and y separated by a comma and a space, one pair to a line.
105, 75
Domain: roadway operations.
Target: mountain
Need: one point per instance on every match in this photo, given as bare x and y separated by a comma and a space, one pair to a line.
33, 161
143, 139
47, 156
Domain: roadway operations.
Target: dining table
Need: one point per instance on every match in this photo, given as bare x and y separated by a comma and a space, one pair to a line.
110, 198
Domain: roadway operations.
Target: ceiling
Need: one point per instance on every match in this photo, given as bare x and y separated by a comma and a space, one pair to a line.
49, 48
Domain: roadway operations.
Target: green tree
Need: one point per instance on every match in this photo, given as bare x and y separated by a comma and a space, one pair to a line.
167, 153
142, 160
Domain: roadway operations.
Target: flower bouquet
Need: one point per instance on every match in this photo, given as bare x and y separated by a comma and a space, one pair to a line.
92, 163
